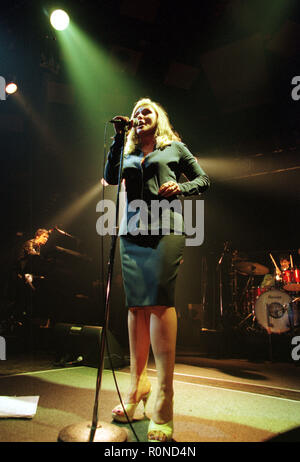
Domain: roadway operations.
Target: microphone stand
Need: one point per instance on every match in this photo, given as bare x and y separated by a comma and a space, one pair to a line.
101, 431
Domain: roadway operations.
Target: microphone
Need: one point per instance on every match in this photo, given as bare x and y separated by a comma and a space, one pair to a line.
131, 123
63, 232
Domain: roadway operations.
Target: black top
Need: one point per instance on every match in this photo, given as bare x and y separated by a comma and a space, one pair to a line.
144, 176
29, 248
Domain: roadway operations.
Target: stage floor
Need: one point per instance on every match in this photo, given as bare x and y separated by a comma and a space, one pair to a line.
216, 400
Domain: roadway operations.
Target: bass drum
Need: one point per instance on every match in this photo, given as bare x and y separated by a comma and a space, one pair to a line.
275, 311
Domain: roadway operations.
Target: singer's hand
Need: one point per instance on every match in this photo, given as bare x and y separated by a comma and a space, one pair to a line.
169, 189
119, 123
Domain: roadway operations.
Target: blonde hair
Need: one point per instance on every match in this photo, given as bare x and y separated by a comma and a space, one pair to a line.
164, 133
41, 231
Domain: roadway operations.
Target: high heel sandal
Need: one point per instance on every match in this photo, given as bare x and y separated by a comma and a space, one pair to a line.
160, 433
119, 415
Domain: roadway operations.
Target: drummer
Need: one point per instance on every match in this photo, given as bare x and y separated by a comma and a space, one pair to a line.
284, 261
271, 280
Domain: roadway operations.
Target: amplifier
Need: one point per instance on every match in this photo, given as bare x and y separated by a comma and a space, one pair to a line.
77, 343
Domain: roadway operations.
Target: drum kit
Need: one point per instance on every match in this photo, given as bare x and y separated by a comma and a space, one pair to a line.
274, 304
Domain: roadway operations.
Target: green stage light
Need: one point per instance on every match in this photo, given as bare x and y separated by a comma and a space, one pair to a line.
101, 91
59, 19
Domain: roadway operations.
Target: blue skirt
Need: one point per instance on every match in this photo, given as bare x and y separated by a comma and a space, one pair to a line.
150, 266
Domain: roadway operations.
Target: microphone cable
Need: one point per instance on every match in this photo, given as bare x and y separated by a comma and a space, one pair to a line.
104, 295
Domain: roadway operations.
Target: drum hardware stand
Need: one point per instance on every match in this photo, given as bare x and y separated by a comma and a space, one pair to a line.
219, 271
291, 314
288, 308
233, 284
249, 281
101, 431
270, 346
246, 318
203, 288
270, 337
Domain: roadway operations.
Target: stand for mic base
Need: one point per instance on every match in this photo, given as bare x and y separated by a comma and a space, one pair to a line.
100, 431
80, 433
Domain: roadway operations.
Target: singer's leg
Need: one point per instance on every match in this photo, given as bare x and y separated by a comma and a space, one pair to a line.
163, 331
139, 343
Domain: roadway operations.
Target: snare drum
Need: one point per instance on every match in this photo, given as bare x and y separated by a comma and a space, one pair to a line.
291, 280
251, 296
275, 311
257, 291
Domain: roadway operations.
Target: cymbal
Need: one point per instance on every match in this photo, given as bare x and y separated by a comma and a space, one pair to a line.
255, 269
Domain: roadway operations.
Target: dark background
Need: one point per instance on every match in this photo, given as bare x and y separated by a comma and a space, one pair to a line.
221, 68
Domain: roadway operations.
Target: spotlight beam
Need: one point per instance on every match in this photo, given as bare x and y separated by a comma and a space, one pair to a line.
69, 214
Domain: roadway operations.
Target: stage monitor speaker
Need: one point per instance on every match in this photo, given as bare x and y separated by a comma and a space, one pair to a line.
77, 343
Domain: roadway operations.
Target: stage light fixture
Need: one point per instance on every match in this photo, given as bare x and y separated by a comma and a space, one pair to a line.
11, 88
59, 19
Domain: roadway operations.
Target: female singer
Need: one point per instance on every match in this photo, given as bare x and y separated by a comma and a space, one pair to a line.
154, 159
